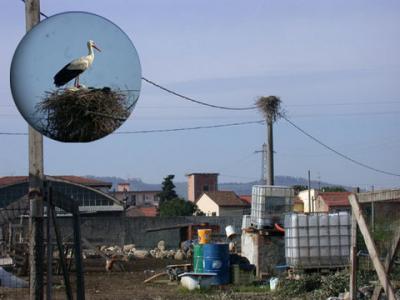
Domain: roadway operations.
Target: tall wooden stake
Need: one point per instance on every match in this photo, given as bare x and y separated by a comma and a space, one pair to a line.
36, 176
353, 259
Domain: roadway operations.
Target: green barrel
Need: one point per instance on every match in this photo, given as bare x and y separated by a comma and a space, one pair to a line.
198, 259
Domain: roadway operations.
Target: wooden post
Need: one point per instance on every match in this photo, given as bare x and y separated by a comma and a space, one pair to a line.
49, 244
270, 151
353, 259
36, 175
369, 242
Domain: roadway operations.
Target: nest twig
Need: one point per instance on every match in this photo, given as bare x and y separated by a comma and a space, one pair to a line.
270, 107
82, 115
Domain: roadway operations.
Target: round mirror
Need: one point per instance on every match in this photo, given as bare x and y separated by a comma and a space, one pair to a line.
75, 77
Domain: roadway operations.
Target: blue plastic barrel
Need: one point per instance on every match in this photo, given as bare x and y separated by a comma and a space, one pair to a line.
216, 260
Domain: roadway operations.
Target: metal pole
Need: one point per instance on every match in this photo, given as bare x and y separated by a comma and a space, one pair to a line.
36, 176
270, 151
264, 172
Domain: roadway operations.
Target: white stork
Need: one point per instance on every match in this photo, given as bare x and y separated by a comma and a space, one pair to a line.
76, 67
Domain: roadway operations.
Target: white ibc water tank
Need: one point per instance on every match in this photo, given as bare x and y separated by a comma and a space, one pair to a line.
318, 239
269, 203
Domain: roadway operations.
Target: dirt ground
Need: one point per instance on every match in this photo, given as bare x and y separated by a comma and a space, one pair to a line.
128, 284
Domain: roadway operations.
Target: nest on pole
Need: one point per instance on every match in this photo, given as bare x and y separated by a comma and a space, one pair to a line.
82, 115
270, 107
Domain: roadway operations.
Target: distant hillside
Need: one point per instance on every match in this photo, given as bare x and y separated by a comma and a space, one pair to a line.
239, 188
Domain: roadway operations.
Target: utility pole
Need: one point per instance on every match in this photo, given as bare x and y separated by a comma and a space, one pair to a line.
270, 150
309, 191
263, 152
36, 191
270, 107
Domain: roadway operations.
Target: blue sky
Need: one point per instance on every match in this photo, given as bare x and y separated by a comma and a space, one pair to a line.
334, 64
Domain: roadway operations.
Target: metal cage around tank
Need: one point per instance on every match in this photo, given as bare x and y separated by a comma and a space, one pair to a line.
269, 204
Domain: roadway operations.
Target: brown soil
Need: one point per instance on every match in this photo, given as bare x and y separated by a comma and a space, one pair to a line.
128, 284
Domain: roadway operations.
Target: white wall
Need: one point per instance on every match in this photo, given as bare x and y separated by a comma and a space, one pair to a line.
303, 195
231, 211
207, 206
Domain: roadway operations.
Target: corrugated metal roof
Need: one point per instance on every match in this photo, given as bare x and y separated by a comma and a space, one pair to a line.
7, 180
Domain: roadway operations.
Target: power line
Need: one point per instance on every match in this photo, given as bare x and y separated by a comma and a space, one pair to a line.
344, 103
13, 133
337, 152
294, 125
165, 130
191, 128
196, 101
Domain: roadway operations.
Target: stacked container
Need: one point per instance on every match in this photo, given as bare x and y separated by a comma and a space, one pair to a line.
212, 257
269, 203
317, 240
198, 259
216, 260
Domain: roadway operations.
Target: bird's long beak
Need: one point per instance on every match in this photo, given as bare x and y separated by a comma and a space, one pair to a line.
95, 47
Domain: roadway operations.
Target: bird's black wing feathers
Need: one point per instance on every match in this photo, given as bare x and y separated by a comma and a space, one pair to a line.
65, 75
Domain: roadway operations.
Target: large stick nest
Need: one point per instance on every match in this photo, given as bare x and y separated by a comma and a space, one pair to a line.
270, 107
82, 115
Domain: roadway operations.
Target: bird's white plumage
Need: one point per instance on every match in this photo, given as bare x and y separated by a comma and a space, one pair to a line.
81, 63
75, 67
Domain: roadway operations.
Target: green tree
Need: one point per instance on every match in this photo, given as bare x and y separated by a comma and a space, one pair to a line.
168, 190
177, 207
336, 188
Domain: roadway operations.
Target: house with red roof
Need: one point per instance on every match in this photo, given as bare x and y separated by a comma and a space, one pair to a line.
246, 198
222, 203
332, 202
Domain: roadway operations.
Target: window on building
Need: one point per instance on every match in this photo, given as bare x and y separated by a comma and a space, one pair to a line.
206, 188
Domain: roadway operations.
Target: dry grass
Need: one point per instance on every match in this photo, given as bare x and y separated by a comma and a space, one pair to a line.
82, 115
